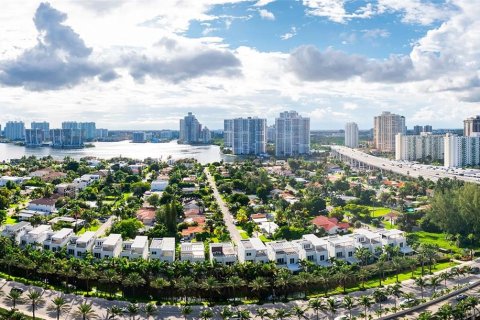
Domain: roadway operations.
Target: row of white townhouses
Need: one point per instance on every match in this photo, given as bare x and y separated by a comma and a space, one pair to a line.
284, 253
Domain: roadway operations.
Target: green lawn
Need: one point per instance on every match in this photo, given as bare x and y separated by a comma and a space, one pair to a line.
243, 233
379, 211
91, 228
435, 238
10, 220
264, 239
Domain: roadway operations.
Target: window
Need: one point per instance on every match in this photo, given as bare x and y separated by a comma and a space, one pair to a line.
350, 254
401, 244
339, 254
46, 247
310, 258
322, 258
154, 253
96, 255
249, 254
292, 260
280, 261
79, 254
71, 251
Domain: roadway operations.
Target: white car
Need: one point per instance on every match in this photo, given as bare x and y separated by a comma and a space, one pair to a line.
342, 317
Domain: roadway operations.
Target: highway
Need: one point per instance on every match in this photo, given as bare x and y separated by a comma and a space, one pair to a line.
406, 168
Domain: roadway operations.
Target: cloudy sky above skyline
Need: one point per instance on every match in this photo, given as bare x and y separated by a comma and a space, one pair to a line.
142, 64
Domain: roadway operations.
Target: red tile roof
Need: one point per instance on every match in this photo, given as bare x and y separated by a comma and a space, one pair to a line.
329, 223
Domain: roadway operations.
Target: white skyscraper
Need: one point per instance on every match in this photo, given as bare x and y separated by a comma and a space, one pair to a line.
44, 126
15, 130
426, 147
385, 128
246, 135
292, 134
461, 151
89, 130
190, 129
351, 135
34, 137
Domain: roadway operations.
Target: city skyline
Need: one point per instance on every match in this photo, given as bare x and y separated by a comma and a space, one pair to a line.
333, 61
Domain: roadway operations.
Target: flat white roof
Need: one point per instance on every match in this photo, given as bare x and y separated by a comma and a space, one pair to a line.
62, 233
340, 239
257, 244
112, 239
367, 233
192, 247
316, 241
140, 242
165, 244
40, 229
87, 236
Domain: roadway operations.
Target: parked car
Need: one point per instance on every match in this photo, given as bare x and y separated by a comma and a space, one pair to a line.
461, 297
475, 270
407, 302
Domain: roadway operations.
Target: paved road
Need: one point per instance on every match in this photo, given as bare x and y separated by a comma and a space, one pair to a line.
403, 169
173, 312
227, 216
105, 226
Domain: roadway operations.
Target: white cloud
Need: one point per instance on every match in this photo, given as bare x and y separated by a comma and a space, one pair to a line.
335, 11
265, 14
262, 3
416, 11
292, 33
375, 33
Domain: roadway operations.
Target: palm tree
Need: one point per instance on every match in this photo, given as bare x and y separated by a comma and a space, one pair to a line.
85, 311
299, 312
259, 285
244, 315
316, 305
281, 314
134, 280
150, 309
426, 315
59, 305
35, 298
132, 310
344, 274
421, 283
184, 285
235, 282
114, 311
379, 296
186, 310
14, 296
206, 314
210, 285
263, 313
348, 303
396, 292
397, 263
445, 312
226, 313
365, 302
444, 276
331, 307
434, 282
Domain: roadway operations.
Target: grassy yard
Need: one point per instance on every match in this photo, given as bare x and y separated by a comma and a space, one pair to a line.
379, 211
435, 238
243, 233
93, 227
264, 239
10, 220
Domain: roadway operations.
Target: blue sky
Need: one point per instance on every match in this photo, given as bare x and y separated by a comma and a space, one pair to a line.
143, 64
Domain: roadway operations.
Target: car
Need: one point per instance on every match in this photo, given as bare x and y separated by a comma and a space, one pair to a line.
17, 289
475, 270
342, 317
461, 297
407, 302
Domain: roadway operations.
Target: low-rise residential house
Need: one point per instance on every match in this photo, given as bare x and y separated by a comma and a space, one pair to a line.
223, 253
109, 247
78, 246
342, 248
84, 181
26, 215
46, 205
313, 249
136, 248
146, 215
284, 254
192, 251
36, 236
330, 225
367, 239
395, 237
137, 168
268, 227
159, 184
163, 249
16, 231
72, 222
17, 180
253, 250
191, 232
56, 240
65, 189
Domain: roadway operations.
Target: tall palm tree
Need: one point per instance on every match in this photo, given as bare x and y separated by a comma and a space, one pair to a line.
210, 285
150, 309
263, 313
299, 312
133, 281
348, 303
35, 298
445, 276
331, 307
379, 296
226, 313
421, 283
317, 305
14, 296
445, 312
259, 285
186, 311
434, 282
85, 311
366, 302
59, 305
234, 283
184, 285
395, 291
132, 309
